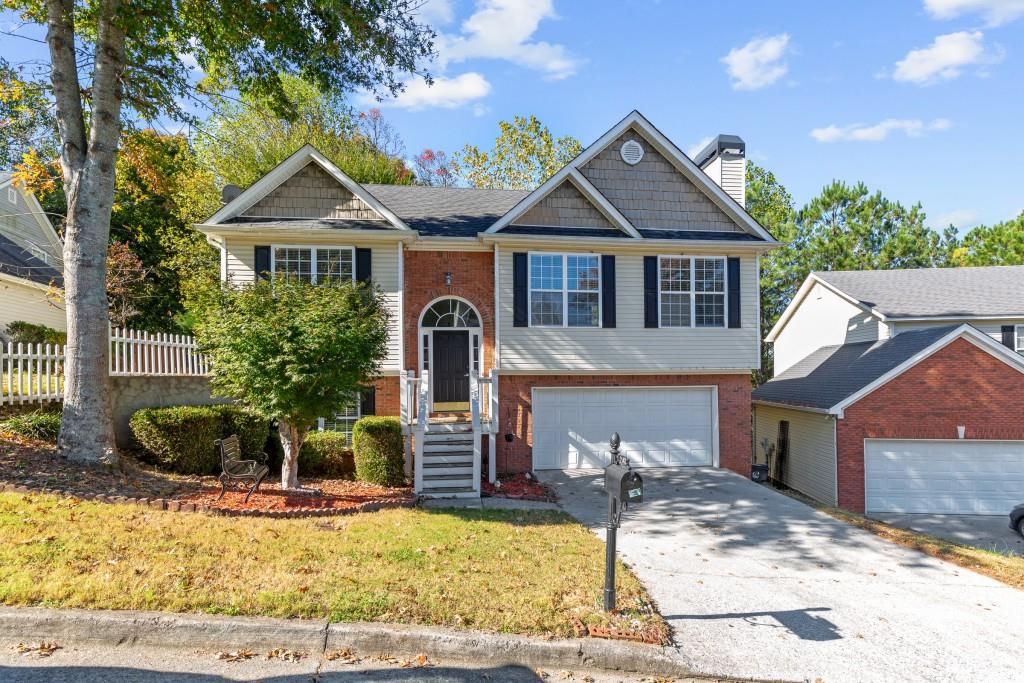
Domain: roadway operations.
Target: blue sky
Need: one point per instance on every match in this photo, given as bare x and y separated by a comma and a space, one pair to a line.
921, 99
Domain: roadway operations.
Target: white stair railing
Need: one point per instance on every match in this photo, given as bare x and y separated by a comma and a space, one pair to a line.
420, 428
492, 427
474, 411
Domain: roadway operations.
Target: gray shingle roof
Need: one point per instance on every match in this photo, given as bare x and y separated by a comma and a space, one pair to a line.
935, 292
832, 373
16, 261
447, 211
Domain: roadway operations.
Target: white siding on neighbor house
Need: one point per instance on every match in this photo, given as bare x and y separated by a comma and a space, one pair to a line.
812, 448
19, 224
629, 347
28, 303
384, 266
993, 328
823, 318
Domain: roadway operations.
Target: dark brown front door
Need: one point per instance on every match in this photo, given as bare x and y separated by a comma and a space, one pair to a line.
451, 369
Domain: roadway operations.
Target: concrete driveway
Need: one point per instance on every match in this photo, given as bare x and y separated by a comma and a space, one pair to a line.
756, 584
985, 532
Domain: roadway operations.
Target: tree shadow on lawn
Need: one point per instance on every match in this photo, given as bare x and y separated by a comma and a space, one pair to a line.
87, 674
513, 517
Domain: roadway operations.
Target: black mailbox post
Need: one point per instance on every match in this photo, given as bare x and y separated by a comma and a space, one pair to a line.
623, 486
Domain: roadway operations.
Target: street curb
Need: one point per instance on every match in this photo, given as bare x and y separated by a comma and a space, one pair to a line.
316, 637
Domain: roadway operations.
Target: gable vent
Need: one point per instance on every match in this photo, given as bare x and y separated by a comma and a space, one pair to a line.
631, 152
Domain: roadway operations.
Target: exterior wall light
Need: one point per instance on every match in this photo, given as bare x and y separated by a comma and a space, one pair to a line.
448, 279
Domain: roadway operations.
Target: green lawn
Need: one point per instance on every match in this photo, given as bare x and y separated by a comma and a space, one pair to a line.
517, 572
9, 384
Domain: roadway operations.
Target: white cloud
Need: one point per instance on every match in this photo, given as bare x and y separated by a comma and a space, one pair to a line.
445, 93
960, 218
759, 63
501, 29
994, 12
856, 132
437, 12
945, 58
696, 148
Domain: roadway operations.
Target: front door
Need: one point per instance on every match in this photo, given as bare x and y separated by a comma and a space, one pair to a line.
450, 366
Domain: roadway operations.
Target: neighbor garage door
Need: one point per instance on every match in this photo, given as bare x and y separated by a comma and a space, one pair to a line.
951, 477
660, 427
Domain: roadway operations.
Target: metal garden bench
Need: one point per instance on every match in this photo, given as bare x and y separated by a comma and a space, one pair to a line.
236, 469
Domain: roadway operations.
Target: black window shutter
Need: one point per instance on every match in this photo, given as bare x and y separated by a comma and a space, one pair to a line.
1008, 334
368, 402
732, 279
607, 291
363, 260
520, 315
262, 263
650, 291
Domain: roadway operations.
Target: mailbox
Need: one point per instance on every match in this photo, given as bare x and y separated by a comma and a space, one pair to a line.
623, 484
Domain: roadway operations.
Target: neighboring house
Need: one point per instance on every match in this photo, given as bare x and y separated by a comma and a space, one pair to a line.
898, 390
620, 295
30, 259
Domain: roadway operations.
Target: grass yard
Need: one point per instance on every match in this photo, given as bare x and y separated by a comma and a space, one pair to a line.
1008, 569
508, 571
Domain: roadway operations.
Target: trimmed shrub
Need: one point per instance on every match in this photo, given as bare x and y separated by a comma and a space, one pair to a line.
379, 451
251, 428
179, 439
19, 331
326, 454
40, 424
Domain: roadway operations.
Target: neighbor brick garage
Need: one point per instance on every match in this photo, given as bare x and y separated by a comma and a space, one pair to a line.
958, 385
517, 412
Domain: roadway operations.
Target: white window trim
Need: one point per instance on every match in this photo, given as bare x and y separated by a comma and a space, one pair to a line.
312, 255
1018, 335
565, 288
693, 292
321, 421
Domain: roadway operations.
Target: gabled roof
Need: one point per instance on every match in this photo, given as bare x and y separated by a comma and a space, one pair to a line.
668, 149
6, 178
18, 262
990, 291
285, 170
834, 377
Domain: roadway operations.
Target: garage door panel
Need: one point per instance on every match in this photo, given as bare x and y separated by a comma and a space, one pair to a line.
661, 427
943, 477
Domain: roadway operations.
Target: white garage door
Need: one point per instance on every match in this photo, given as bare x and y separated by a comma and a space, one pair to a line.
660, 427
951, 477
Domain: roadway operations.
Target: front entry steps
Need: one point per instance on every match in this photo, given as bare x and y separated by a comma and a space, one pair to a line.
448, 460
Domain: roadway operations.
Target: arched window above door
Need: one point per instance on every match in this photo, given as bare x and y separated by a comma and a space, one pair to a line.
450, 313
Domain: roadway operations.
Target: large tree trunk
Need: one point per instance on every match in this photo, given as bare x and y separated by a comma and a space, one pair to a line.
292, 438
88, 163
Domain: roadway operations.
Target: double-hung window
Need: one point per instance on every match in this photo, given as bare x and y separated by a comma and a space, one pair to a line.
691, 291
315, 264
1019, 338
343, 421
565, 290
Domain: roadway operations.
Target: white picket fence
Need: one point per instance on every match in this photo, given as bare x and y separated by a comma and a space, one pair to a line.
34, 372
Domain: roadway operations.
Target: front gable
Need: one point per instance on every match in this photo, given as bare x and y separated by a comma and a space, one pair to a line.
565, 207
312, 193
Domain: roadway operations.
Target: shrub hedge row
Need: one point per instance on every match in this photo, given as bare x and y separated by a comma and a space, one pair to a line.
379, 451
326, 454
43, 425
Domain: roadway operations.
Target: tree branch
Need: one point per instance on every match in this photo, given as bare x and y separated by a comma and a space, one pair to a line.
60, 36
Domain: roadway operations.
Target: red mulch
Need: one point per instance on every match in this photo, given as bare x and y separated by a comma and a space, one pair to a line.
335, 494
518, 486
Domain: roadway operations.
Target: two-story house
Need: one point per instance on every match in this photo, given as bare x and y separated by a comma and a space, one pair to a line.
30, 259
620, 295
898, 391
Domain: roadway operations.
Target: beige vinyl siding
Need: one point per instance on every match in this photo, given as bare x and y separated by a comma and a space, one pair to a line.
629, 347
653, 194
565, 207
25, 302
18, 224
811, 467
823, 318
993, 328
384, 266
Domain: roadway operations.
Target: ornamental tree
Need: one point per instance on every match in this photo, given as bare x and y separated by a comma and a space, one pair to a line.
114, 63
293, 352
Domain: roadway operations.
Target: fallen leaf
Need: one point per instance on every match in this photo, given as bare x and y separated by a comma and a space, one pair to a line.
236, 656
41, 649
285, 654
345, 656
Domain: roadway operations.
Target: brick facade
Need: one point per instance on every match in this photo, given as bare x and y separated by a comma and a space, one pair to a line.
515, 401
387, 399
960, 384
472, 280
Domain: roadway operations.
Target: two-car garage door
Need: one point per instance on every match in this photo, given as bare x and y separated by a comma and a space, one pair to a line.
660, 427
948, 477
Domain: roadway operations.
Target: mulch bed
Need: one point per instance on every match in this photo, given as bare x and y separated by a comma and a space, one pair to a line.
518, 486
37, 466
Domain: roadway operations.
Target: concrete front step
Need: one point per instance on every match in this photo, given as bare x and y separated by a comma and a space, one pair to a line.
450, 492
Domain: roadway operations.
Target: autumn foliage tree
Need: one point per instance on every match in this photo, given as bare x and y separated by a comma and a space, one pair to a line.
525, 154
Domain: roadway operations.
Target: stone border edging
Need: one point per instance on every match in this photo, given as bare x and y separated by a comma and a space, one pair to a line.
317, 637
371, 505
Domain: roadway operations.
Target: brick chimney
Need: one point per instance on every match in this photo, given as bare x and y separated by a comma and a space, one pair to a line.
724, 159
